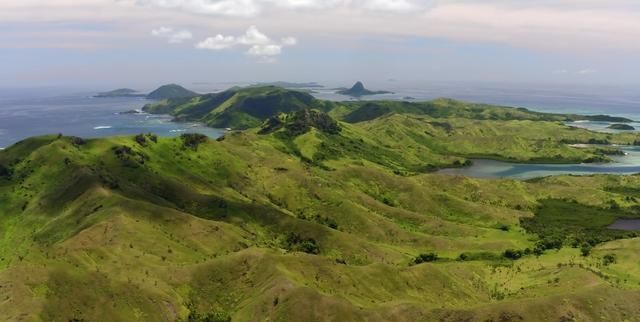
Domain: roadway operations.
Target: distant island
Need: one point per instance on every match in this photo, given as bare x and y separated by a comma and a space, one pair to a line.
121, 92
623, 127
163, 92
291, 85
358, 90
171, 91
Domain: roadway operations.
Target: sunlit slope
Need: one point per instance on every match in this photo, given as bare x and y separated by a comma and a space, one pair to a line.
263, 223
238, 108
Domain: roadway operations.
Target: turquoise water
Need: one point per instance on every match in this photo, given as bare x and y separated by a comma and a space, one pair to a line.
628, 164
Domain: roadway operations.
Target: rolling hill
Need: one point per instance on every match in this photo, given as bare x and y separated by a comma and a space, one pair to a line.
306, 210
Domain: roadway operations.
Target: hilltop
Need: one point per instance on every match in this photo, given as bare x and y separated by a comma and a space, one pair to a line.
358, 90
325, 206
291, 85
171, 91
238, 108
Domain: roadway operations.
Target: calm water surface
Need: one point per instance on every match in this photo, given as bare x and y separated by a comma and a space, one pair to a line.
626, 224
85, 116
628, 164
25, 113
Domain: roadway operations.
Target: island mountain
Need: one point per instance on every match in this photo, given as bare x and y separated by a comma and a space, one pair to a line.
121, 92
171, 91
358, 90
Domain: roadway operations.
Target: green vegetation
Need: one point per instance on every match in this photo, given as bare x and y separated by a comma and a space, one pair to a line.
171, 91
238, 108
304, 216
559, 222
291, 85
426, 258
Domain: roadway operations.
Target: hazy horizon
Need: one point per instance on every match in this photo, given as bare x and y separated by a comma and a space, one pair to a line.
143, 43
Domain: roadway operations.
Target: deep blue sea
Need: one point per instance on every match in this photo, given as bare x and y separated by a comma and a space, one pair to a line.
29, 112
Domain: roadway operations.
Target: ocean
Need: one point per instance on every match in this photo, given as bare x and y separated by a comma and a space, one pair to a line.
30, 112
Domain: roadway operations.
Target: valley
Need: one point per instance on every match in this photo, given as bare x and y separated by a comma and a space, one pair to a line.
333, 206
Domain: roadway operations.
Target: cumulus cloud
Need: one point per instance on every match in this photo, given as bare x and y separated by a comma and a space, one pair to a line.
218, 42
260, 45
173, 36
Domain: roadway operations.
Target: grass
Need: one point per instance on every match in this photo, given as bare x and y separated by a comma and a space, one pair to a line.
260, 225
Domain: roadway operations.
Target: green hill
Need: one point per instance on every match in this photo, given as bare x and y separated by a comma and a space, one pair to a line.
306, 217
238, 108
171, 91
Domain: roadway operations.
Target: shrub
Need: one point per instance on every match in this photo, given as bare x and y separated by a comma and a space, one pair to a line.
426, 258
209, 317
295, 242
329, 222
585, 250
512, 254
77, 141
140, 139
4, 171
473, 256
193, 140
608, 259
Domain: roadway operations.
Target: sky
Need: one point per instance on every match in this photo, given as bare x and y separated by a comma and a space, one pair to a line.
119, 43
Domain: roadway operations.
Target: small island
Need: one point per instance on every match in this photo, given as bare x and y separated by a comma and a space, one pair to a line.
121, 92
171, 91
358, 90
622, 127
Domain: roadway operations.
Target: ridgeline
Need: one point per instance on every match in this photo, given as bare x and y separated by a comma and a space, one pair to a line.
316, 211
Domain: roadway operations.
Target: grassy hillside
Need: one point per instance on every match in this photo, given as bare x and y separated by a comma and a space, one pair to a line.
238, 108
171, 91
306, 218
185, 228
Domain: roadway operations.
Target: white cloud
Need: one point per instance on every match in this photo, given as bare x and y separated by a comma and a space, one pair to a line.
253, 36
289, 41
265, 50
245, 8
390, 5
218, 42
586, 71
174, 37
260, 45
252, 8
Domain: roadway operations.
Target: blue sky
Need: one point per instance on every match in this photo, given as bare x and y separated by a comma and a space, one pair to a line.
149, 42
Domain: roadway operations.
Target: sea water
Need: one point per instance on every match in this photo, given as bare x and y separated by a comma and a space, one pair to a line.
27, 114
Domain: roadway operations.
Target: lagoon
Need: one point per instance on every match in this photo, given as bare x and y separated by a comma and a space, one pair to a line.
481, 168
626, 224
